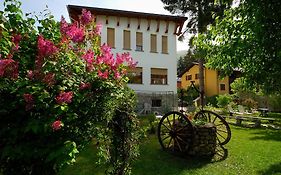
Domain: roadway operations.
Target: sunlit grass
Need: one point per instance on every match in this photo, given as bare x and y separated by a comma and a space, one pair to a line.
250, 151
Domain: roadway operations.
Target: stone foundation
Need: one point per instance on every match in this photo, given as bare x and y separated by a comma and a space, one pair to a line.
168, 102
204, 141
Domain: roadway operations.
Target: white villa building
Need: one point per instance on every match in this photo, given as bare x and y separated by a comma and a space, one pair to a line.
151, 40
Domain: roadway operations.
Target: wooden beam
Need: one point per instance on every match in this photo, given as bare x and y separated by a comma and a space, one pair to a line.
167, 27
118, 20
148, 24
139, 21
129, 22
158, 25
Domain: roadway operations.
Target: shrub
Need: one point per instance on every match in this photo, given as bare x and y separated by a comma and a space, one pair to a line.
223, 100
58, 90
250, 103
212, 100
274, 102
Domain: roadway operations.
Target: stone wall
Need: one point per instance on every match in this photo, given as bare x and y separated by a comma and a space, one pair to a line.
145, 106
204, 142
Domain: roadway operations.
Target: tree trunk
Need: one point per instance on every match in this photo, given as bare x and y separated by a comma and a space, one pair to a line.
201, 59
201, 80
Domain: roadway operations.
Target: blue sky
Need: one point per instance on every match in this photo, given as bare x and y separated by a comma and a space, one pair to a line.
58, 8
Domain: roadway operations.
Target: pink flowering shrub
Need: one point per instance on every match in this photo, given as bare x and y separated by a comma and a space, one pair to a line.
64, 97
57, 94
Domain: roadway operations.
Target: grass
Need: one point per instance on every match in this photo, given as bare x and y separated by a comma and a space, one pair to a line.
250, 151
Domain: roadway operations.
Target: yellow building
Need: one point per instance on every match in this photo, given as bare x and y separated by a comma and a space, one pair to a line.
214, 85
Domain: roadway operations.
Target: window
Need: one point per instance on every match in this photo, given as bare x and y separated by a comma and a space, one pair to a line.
139, 46
126, 40
188, 77
156, 103
164, 44
196, 76
222, 87
135, 75
159, 76
153, 43
111, 37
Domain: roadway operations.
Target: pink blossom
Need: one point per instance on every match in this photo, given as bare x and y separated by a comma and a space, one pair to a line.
9, 56
49, 79
30, 74
103, 75
16, 38
84, 86
127, 57
9, 68
89, 57
56, 125
97, 29
86, 17
64, 97
16, 47
105, 49
45, 47
28, 98
119, 59
75, 34
63, 25
117, 75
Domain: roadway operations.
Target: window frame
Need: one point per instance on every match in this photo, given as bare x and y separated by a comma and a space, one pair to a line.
158, 79
222, 87
126, 38
140, 75
165, 49
108, 41
156, 103
139, 45
153, 43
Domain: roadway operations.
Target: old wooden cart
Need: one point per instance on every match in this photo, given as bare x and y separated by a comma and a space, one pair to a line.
176, 131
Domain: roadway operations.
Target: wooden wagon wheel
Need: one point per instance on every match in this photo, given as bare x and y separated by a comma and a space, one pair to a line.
175, 132
223, 129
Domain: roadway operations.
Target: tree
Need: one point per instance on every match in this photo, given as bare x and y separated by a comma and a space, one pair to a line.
202, 13
248, 38
185, 61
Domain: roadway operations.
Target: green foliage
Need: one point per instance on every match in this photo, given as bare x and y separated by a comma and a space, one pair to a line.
55, 97
248, 38
250, 103
274, 102
198, 122
274, 115
188, 95
202, 13
223, 100
185, 61
149, 123
212, 100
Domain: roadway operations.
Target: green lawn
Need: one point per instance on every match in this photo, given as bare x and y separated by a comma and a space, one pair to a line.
250, 151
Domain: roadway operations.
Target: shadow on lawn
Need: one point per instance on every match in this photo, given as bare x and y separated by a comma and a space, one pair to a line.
153, 160
272, 170
267, 134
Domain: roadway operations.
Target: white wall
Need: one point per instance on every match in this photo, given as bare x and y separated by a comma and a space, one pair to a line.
146, 59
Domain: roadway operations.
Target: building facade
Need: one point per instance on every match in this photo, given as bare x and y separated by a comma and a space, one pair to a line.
151, 41
214, 85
